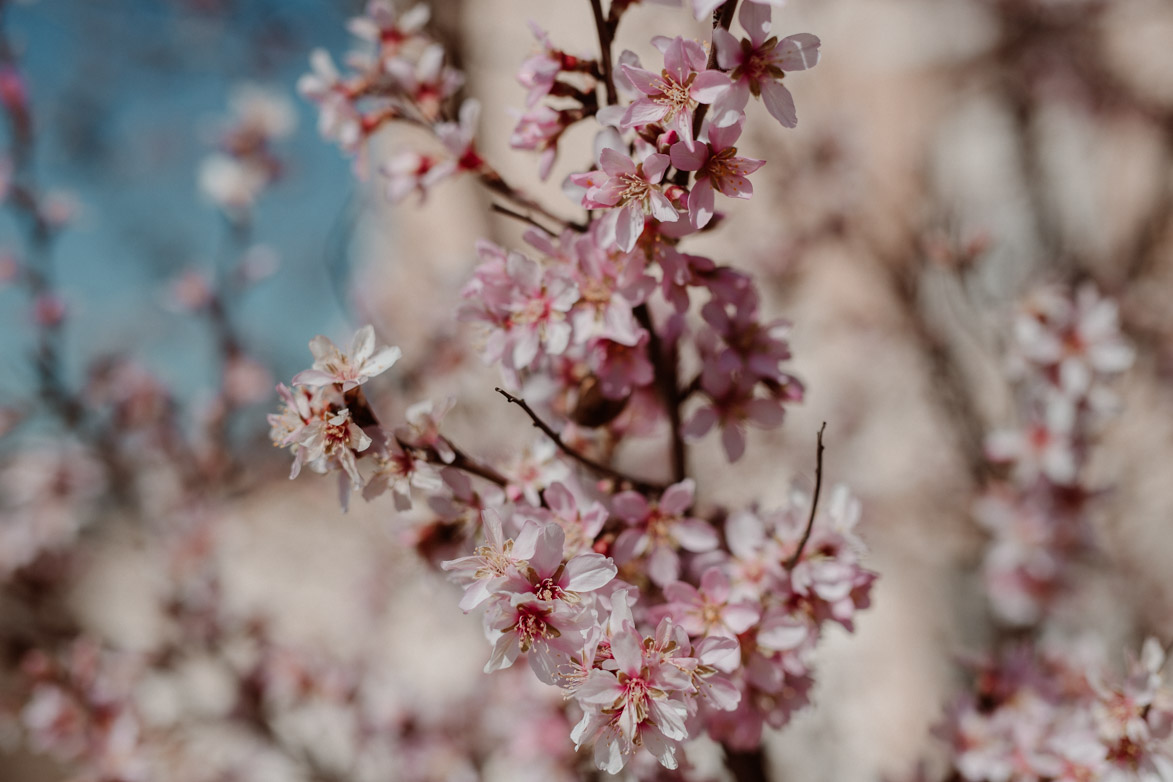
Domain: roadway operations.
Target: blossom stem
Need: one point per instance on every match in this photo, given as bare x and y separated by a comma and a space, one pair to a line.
645, 487
810, 522
606, 30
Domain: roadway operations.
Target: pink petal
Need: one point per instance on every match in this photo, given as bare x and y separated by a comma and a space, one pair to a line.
715, 584
695, 535
700, 423
547, 555
779, 102
676, 60
588, 572
709, 85
662, 208
728, 49
733, 441
797, 52
689, 157
629, 225
755, 20
742, 615
645, 81
630, 506
701, 203
663, 566
643, 112
615, 163
654, 166
678, 497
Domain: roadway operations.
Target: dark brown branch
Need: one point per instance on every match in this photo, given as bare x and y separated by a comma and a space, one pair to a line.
664, 364
810, 522
606, 31
746, 765
645, 487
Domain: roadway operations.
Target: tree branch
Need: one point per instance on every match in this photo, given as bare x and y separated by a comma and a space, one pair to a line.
664, 364
606, 31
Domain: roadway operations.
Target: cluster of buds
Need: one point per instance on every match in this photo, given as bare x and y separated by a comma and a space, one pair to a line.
1068, 346
1045, 716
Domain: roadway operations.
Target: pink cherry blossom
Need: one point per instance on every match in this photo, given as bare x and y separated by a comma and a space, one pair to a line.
351, 369
670, 98
717, 167
658, 529
758, 65
631, 191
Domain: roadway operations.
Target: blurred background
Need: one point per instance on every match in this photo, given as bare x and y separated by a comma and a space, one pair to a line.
173, 608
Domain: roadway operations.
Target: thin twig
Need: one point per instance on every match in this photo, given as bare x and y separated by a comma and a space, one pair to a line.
645, 487
810, 522
606, 30
504, 210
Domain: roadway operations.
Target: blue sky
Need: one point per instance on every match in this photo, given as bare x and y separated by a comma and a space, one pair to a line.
126, 93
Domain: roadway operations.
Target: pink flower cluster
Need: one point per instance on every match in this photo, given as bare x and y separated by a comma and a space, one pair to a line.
1068, 346
659, 622
1042, 715
725, 646
316, 422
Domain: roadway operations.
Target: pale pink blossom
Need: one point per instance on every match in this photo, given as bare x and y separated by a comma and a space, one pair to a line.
758, 65
670, 98
631, 191
657, 530
717, 167
351, 369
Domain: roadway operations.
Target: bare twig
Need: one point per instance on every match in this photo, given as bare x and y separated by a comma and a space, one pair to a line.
646, 487
810, 522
